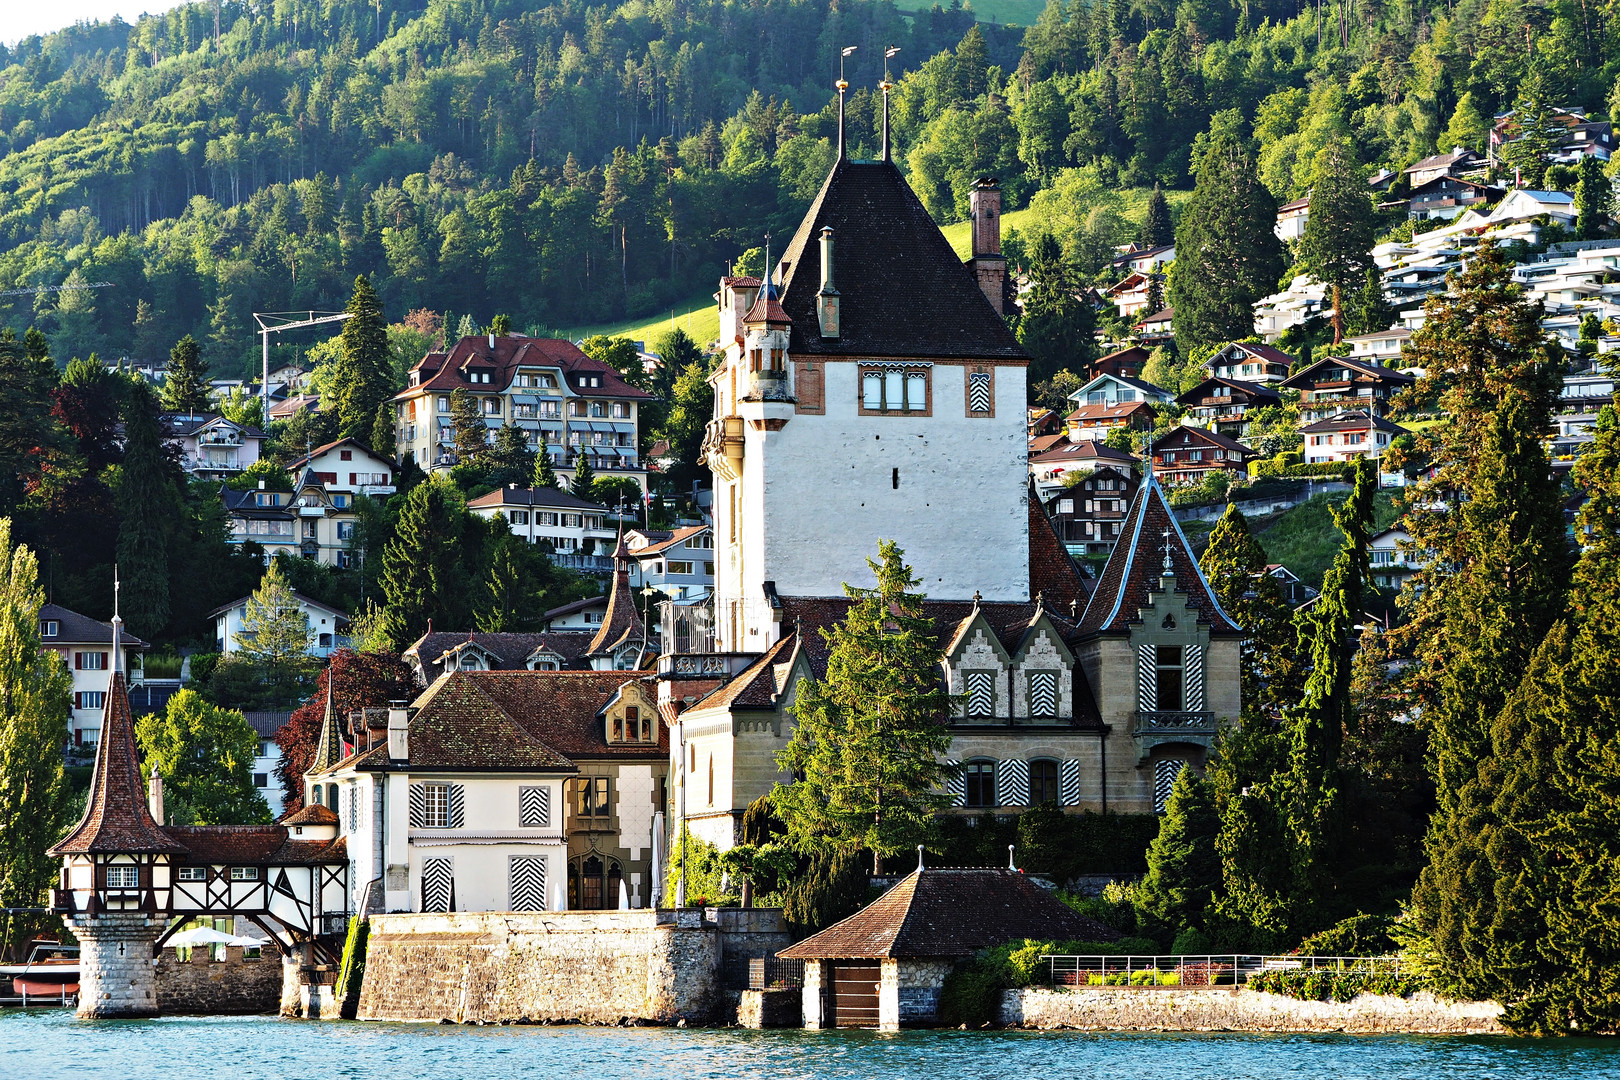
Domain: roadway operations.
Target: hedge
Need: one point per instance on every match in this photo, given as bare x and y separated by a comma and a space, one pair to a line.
1335, 985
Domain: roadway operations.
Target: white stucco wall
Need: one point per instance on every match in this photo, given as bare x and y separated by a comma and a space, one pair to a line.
819, 493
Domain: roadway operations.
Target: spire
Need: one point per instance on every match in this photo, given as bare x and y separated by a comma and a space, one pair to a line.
116, 817
620, 621
842, 85
117, 627
329, 751
886, 86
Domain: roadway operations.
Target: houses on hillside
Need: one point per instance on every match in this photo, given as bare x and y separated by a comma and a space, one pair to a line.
209, 445
1335, 383
1349, 436
1185, 455
328, 627
1088, 514
572, 526
1227, 405
1249, 362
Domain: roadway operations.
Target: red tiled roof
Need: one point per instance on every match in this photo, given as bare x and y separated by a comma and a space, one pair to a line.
438, 372
620, 623
757, 686
556, 709
1052, 573
457, 726
250, 845
1136, 565
950, 913
116, 818
1100, 411
313, 814
1040, 444
675, 538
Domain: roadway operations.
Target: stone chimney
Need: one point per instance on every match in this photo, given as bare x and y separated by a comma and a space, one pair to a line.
399, 728
827, 298
154, 796
988, 264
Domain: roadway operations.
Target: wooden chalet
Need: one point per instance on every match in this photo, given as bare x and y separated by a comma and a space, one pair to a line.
1226, 405
1184, 455
1335, 383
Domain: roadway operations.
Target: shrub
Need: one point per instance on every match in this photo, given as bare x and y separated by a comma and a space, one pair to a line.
1359, 935
972, 991
1330, 985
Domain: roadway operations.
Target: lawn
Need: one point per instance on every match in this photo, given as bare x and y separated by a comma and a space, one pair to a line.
1005, 12
1305, 540
697, 315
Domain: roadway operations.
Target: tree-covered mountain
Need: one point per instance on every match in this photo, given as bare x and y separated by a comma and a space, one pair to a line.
569, 162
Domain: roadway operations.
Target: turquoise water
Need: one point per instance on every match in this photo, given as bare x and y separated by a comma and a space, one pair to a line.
44, 1044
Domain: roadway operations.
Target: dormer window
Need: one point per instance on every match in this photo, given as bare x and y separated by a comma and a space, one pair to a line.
49, 628
635, 726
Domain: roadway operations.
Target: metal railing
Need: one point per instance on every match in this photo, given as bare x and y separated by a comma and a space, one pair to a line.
1214, 969
769, 973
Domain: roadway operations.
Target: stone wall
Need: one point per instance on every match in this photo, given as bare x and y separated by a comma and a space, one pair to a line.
204, 987
779, 1008
598, 967
116, 973
746, 934
1123, 1008
913, 987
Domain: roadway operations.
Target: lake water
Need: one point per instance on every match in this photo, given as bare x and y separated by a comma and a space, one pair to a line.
41, 1044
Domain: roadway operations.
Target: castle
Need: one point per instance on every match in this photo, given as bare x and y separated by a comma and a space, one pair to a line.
872, 389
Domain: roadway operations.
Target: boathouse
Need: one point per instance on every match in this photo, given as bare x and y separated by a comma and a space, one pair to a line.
885, 965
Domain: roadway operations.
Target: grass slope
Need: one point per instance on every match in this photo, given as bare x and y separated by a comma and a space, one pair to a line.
697, 315
1305, 540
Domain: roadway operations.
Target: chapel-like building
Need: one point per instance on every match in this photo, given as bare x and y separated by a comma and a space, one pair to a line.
871, 389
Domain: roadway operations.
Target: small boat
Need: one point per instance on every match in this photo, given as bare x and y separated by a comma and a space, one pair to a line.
51, 971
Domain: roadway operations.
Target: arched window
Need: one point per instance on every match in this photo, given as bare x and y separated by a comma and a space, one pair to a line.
1043, 782
593, 883
981, 783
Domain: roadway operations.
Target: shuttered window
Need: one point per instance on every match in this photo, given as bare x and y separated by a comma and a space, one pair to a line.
981, 693
437, 806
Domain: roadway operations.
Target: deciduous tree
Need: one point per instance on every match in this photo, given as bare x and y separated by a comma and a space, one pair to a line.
205, 756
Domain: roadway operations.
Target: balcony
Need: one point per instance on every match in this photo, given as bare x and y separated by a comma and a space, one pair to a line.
589, 564
1154, 729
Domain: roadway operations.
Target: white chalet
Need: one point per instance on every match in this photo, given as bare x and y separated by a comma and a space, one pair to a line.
329, 625
210, 445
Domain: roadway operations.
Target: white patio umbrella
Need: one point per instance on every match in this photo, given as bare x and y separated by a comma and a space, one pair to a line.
201, 935
247, 942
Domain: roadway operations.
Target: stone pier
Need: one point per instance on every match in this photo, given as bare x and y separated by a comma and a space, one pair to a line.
117, 973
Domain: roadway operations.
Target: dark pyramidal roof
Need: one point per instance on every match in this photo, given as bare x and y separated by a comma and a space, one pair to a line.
902, 290
949, 913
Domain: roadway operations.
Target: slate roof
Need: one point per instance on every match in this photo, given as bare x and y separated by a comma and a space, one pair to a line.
903, 291
510, 650
1256, 349
116, 818
266, 722
950, 913
1440, 161
193, 424
1134, 569
76, 629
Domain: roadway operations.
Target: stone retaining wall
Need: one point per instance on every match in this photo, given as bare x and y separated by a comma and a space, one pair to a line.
1123, 1008
598, 967
204, 987
775, 1008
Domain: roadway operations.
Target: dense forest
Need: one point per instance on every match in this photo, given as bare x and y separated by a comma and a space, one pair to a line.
582, 162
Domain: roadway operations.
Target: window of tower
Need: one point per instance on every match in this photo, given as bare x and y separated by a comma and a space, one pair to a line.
896, 390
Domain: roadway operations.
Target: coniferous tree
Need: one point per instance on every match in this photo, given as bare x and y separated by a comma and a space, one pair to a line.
35, 701
471, 435
1370, 311
276, 635
1184, 869
1535, 131
1227, 252
1594, 199
1492, 519
1157, 228
363, 378
545, 474
149, 507
510, 459
1056, 326
498, 612
383, 440
869, 736
1336, 247
1235, 564
185, 378
422, 580
29, 436
584, 476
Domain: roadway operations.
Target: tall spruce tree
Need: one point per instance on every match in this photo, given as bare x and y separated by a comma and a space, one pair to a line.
383, 440
470, 433
1056, 325
1594, 199
422, 578
1534, 130
869, 736
149, 509
1336, 247
35, 700
185, 378
1492, 518
1227, 252
1157, 228
1235, 564
545, 473
29, 435
584, 475
363, 378
1184, 869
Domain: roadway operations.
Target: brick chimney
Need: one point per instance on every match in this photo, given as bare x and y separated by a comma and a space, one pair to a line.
987, 262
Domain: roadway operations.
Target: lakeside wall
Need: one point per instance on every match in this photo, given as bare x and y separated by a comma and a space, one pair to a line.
594, 967
205, 987
1124, 1008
